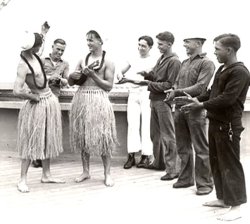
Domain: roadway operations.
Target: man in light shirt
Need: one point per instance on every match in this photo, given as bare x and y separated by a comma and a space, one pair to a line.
138, 112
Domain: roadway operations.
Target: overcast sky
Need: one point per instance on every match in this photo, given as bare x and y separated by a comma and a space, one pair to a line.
120, 23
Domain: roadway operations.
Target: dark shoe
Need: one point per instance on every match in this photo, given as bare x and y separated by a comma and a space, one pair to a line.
204, 191
143, 162
169, 176
150, 167
130, 162
37, 163
182, 185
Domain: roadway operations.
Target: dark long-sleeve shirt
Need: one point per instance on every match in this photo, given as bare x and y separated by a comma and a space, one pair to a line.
163, 76
225, 101
194, 75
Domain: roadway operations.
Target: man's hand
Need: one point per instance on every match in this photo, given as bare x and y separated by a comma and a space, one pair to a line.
55, 79
35, 98
45, 28
75, 75
142, 73
181, 100
170, 94
88, 72
119, 76
140, 83
64, 82
123, 80
190, 103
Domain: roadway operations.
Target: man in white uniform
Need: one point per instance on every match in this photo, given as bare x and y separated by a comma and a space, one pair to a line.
138, 111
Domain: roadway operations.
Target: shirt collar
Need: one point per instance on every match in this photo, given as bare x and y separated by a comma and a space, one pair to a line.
49, 58
201, 55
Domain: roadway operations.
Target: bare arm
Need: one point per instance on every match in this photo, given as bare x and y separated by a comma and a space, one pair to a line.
126, 68
76, 74
19, 89
121, 73
44, 31
65, 75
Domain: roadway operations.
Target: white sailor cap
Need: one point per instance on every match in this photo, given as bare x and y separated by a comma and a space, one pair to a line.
195, 38
27, 40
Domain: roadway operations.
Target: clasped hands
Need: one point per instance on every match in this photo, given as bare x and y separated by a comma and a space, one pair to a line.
85, 71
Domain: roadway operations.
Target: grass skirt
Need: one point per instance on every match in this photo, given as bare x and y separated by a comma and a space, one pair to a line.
92, 122
40, 128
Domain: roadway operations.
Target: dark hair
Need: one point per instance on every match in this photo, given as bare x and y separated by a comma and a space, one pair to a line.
38, 40
148, 39
96, 35
229, 40
167, 36
59, 41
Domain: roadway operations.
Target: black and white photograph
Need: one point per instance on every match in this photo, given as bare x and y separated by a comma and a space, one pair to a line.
124, 112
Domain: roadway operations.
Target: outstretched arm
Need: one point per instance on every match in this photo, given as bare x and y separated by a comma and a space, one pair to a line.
44, 30
189, 103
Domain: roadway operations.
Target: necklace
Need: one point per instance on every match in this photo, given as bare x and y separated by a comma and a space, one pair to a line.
101, 64
33, 73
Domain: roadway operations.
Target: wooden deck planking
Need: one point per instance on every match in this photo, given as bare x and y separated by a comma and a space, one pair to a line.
137, 197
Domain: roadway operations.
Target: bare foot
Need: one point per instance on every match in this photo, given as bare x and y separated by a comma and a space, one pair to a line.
82, 177
51, 180
22, 187
232, 214
108, 181
216, 203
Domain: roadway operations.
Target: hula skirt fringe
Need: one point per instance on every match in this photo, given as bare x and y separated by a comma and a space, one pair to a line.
40, 128
92, 122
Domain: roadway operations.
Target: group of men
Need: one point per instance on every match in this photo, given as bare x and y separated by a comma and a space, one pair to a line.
178, 123
158, 86
39, 123
176, 135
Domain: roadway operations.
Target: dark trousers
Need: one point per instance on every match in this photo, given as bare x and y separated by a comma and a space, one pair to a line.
162, 134
225, 162
191, 135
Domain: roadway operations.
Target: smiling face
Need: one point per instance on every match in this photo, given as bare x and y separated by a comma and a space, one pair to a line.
93, 42
57, 51
143, 48
163, 46
191, 46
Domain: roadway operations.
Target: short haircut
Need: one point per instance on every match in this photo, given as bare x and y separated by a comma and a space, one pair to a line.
167, 36
148, 39
59, 41
96, 35
38, 40
229, 40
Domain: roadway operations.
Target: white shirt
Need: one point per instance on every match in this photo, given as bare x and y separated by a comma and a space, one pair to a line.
139, 64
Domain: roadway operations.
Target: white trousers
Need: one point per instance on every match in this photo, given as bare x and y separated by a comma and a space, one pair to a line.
138, 117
